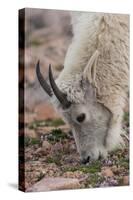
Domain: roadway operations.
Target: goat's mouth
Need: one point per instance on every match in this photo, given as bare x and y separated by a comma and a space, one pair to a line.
88, 159
85, 160
97, 154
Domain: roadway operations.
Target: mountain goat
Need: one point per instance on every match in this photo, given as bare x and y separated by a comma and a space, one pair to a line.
91, 90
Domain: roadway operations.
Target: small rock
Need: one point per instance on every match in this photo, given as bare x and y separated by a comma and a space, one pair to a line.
39, 150
58, 183
72, 147
45, 149
112, 181
108, 162
30, 133
46, 146
115, 169
109, 181
57, 147
107, 172
126, 180
51, 173
69, 175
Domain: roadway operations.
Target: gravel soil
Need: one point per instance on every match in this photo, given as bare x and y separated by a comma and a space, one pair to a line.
52, 153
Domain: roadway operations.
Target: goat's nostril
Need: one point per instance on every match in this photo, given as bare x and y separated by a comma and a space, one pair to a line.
88, 158
84, 161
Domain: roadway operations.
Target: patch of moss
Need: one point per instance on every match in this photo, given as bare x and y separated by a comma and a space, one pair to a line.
48, 122
115, 152
94, 180
54, 122
57, 135
36, 124
31, 141
92, 168
35, 141
35, 42
124, 162
54, 159
26, 141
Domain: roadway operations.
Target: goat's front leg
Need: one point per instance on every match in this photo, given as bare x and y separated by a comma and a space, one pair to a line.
114, 139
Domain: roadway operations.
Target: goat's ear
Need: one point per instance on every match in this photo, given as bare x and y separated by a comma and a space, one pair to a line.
90, 69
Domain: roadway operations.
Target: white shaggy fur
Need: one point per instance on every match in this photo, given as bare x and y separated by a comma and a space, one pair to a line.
107, 36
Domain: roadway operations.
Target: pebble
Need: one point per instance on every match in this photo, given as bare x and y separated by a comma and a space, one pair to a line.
106, 171
46, 146
30, 133
115, 169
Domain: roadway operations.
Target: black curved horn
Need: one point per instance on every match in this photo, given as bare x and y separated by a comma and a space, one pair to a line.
60, 95
42, 81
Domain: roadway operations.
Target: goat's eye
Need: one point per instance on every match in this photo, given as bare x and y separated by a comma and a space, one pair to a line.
81, 117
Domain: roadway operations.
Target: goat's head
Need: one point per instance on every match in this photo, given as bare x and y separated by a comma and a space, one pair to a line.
76, 101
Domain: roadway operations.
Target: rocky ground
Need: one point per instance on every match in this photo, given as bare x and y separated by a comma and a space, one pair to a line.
51, 158
50, 152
